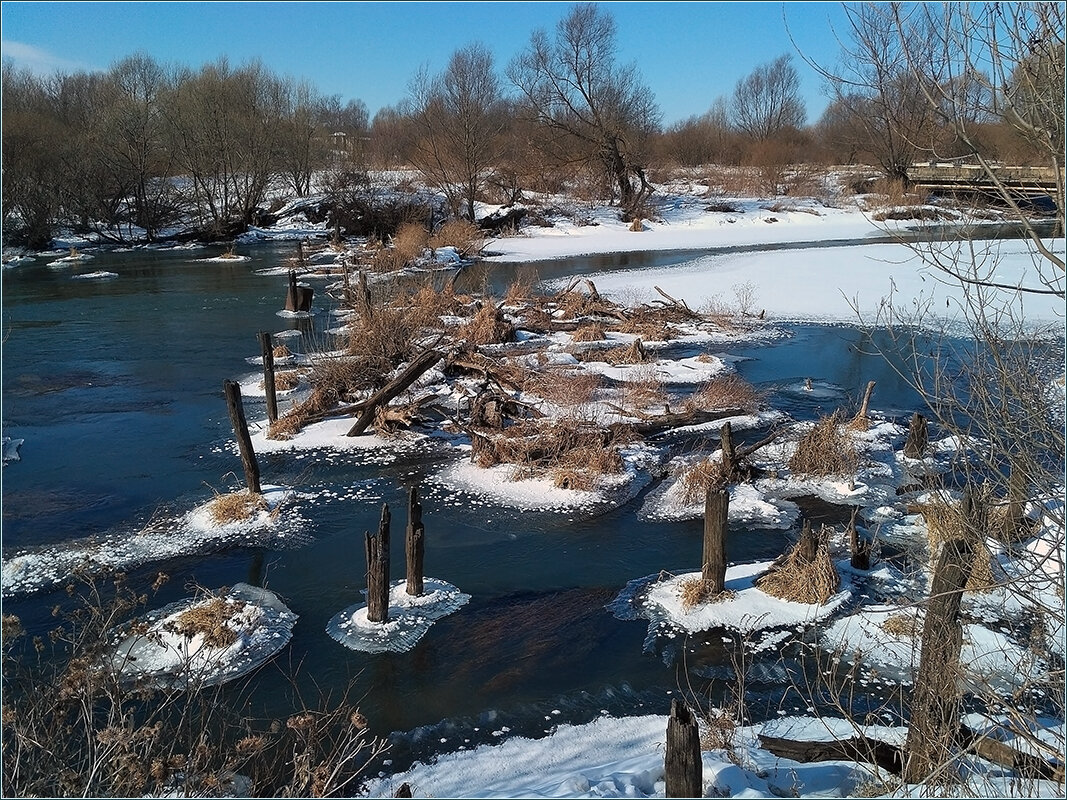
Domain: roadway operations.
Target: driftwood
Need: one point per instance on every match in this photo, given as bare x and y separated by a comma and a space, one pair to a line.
411, 373
665, 422
891, 757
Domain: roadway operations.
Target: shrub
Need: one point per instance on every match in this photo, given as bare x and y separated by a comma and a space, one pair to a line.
236, 507
798, 579
465, 236
723, 392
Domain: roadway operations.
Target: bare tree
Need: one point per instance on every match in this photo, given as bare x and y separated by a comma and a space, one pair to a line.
767, 102
458, 116
579, 94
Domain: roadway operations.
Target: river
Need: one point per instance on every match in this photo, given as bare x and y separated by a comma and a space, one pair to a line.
115, 386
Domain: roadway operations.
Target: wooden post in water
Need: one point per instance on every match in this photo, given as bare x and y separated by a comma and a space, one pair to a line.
808, 546
232, 390
267, 346
729, 453
935, 703
682, 766
861, 548
918, 437
414, 544
716, 511
377, 546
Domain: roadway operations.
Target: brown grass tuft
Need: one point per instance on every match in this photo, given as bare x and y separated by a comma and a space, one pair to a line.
826, 449
701, 476
589, 333
236, 507
798, 580
210, 619
465, 236
903, 625
284, 381
488, 326
724, 391
281, 351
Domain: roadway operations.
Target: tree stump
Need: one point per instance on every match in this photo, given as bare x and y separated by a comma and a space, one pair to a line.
860, 547
716, 511
918, 437
682, 765
377, 546
232, 390
935, 702
298, 298
267, 347
414, 544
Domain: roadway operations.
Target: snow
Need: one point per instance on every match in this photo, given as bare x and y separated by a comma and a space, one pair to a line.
151, 649
407, 621
100, 275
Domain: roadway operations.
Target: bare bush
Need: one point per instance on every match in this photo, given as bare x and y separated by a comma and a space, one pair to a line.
826, 449
466, 237
724, 391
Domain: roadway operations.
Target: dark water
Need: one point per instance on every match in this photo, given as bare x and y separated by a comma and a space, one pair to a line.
116, 388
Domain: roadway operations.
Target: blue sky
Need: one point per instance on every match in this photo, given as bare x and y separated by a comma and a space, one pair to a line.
687, 53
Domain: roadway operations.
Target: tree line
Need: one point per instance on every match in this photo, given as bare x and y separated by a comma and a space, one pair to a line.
143, 147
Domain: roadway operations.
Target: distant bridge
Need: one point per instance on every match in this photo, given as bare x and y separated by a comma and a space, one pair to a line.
951, 176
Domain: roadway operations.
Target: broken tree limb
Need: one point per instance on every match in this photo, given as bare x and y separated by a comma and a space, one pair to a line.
408, 376
857, 748
666, 422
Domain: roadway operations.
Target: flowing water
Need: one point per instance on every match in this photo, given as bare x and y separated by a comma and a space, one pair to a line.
115, 386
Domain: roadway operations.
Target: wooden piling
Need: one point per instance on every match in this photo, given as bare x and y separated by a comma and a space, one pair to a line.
918, 437
267, 346
935, 703
414, 544
729, 452
682, 766
860, 547
377, 546
808, 546
716, 511
232, 390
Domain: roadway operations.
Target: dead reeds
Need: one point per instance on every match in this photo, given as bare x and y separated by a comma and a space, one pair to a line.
236, 507
724, 391
211, 620
825, 449
700, 477
806, 574
695, 592
487, 326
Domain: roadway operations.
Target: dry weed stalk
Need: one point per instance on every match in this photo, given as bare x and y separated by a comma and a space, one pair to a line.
826, 449
592, 332
488, 326
695, 592
699, 477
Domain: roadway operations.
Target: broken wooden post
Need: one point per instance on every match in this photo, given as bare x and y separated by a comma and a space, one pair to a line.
716, 511
411, 373
377, 546
808, 546
414, 544
918, 437
935, 701
860, 547
232, 390
861, 420
729, 454
298, 298
682, 766
267, 346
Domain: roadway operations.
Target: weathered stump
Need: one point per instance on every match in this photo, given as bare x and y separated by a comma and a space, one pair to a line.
918, 437
716, 511
935, 703
808, 546
682, 765
298, 298
267, 347
860, 547
377, 546
414, 544
729, 452
232, 390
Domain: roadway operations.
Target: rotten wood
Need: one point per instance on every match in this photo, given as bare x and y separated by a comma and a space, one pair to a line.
232, 390
266, 345
682, 765
918, 437
414, 544
716, 513
856, 748
377, 547
861, 415
369, 407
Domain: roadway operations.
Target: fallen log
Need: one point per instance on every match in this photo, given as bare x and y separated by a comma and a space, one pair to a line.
858, 748
408, 376
665, 422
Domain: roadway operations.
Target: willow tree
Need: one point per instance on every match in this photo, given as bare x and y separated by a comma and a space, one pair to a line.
594, 110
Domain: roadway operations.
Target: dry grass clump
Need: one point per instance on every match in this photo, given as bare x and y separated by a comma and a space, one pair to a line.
410, 240
644, 389
648, 325
211, 620
826, 449
695, 592
465, 236
589, 333
944, 522
800, 577
699, 477
236, 507
580, 468
982, 578
724, 391
633, 353
903, 625
281, 351
564, 387
488, 326
388, 335
334, 379
284, 381
718, 731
